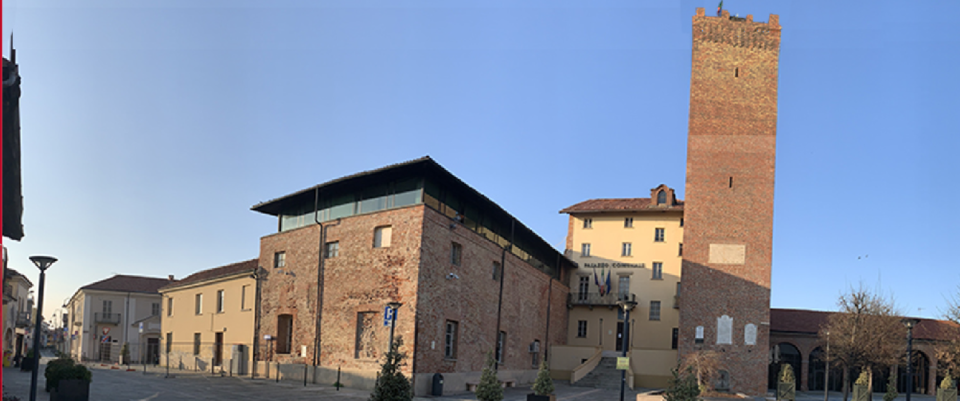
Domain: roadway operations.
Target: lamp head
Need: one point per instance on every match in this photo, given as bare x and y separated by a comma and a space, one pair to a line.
909, 322
394, 305
43, 262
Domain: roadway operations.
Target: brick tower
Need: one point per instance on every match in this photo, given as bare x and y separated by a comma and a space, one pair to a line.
731, 149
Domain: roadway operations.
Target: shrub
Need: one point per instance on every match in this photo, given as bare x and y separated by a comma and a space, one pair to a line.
65, 369
489, 388
543, 385
891, 386
947, 382
683, 386
786, 374
392, 385
863, 379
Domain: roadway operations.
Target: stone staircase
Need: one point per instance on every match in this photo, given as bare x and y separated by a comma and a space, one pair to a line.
605, 375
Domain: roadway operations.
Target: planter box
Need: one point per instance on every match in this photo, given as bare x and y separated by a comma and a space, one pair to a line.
861, 393
548, 397
26, 364
787, 391
946, 395
71, 390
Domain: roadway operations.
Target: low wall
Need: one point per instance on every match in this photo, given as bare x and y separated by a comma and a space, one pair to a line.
456, 383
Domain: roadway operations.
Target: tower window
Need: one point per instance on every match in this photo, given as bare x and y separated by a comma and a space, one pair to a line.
662, 198
731, 182
736, 72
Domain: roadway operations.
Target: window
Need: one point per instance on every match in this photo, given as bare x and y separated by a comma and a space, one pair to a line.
582, 329
627, 249
169, 306
198, 304
584, 288
657, 271
382, 237
107, 307
587, 223
675, 339
680, 251
332, 249
662, 198
169, 341
681, 222
155, 309
624, 287
284, 333
279, 260
219, 301
501, 340
496, 271
654, 310
628, 222
585, 249
535, 353
243, 296
456, 253
196, 343
658, 235
450, 341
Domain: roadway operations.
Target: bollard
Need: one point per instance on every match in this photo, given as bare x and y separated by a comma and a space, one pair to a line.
304, 375
338, 379
278, 372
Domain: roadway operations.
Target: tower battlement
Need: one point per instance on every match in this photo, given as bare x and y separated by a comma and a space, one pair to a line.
737, 31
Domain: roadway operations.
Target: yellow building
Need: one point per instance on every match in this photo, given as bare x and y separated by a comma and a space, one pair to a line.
626, 249
208, 319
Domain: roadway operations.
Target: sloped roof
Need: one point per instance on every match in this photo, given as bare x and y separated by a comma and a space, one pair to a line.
621, 205
809, 321
10, 273
216, 272
125, 283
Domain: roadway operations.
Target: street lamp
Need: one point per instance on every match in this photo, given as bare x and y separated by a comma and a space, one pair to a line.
826, 372
393, 319
910, 323
42, 262
626, 305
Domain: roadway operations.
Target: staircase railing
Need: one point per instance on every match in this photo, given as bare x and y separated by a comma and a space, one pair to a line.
581, 371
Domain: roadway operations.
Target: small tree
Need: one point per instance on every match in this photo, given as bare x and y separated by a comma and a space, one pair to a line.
489, 388
786, 374
891, 386
683, 386
947, 382
543, 385
392, 385
705, 365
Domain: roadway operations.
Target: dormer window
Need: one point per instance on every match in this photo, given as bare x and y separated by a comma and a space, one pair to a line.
662, 198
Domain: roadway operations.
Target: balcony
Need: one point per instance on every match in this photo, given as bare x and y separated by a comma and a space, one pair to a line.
24, 319
595, 299
113, 318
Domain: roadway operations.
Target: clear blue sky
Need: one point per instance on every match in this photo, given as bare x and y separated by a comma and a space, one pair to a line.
150, 127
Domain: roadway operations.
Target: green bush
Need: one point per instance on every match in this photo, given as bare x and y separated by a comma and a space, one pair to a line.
786, 374
543, 385
863, 379
392, 385
891, 387
64, 369
489, 388
683, 386
947, 382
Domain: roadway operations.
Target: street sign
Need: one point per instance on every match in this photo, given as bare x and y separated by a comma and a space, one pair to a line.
106, 330
388, 315
623, 363
141, 327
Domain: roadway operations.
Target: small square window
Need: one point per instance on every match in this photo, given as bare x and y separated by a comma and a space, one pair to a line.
627, 249
581, 328
496, 271
657, 271
332, 249
654, 310
585, 250
658, 235
279, 260
382, 236
456, 254
628, 222
587, 223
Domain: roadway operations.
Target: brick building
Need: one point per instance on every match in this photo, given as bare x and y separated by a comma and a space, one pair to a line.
729, 195
471, 278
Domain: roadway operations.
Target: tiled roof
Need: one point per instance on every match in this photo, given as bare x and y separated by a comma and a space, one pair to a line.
10, 273
126, 283
809, 321
216, 272
621, 205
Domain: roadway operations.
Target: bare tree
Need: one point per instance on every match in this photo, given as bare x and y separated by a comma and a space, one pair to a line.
705, 364
865, 333
948, 351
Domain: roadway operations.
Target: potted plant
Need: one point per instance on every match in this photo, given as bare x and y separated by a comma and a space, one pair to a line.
683, 386
787, 385
947, 390
489, 388
68, 381
891, 387
26, 363
543, 387
861, 388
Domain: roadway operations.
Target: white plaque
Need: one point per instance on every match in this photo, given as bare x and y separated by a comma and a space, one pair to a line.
728, 254
724, 330
750, 334
699, 333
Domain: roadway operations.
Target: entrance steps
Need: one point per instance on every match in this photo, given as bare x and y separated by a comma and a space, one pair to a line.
605, 375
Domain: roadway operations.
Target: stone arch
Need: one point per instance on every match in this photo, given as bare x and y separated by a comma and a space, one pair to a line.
921, 372
816, 370
781, 353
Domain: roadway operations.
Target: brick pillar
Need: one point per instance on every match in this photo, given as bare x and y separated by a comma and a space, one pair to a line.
804, 372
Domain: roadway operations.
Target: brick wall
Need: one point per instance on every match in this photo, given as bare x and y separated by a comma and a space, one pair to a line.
729, 191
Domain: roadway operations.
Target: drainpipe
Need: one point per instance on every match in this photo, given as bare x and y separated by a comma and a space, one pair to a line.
258, 276
503, 274
320, 275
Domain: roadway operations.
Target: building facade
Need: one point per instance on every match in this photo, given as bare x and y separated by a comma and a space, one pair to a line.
208, 319
729, 196
17, 316
625, 249
108, 314
471, 279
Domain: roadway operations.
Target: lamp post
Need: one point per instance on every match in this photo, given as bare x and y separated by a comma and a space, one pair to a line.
910, 323
626, 306
42, 262
826, 372
393, 319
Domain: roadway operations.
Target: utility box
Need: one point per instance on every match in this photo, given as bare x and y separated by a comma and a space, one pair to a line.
239, 356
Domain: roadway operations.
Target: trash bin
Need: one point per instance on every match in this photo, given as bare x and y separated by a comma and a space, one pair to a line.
437, 384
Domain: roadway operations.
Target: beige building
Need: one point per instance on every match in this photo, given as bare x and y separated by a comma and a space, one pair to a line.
17, 315
208, 319
108, 314
626, 249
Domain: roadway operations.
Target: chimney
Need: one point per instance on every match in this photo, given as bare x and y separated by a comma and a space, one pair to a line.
170, 277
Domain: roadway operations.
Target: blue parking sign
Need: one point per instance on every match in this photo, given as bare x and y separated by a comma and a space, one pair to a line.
387, 315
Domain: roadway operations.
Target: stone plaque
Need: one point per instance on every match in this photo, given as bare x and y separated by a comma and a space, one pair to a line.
699, 335
724, 330
750, 334
728, 254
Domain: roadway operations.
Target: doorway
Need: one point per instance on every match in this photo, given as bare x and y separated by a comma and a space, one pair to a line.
153, 350
218, 349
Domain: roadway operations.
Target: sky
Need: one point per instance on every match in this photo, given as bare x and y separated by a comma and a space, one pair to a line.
150, 128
